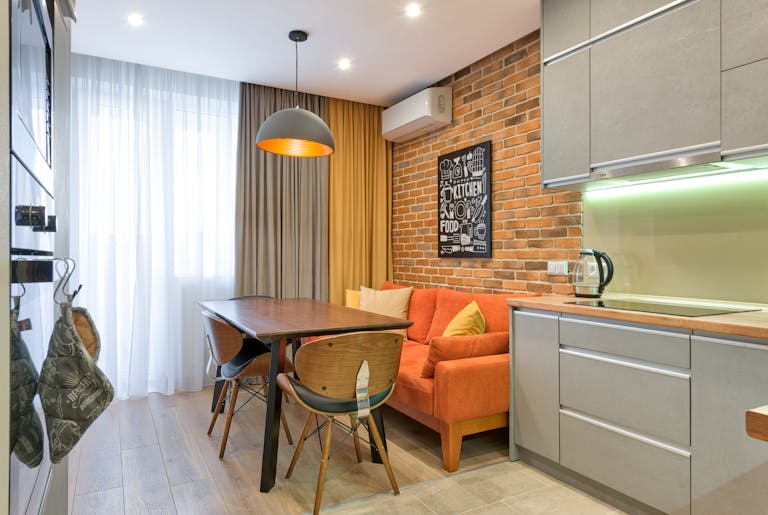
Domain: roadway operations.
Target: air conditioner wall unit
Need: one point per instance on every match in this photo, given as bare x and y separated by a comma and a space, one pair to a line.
418, 114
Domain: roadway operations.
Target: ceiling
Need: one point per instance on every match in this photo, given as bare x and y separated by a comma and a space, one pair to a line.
392, 55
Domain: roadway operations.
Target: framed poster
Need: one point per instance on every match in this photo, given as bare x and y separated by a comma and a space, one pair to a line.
464, 203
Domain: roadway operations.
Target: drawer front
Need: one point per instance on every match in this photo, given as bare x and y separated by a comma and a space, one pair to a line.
652, 474
658, 346
642, 398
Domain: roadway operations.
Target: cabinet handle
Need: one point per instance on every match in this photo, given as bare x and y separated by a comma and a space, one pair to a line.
594, 356
624, 432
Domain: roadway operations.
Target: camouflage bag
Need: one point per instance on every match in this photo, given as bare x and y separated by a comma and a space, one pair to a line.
26, 430
73, 389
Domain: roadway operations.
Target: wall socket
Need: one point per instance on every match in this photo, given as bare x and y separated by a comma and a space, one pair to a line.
557, 267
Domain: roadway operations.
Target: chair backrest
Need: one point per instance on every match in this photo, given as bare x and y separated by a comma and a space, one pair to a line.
224, 341
329, 366
251, 297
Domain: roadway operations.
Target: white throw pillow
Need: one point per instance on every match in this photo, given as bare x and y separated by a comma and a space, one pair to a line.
393, 303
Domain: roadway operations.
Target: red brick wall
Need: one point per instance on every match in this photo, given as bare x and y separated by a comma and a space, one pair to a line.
496, 98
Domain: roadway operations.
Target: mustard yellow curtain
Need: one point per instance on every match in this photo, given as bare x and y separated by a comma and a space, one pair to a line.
359, 199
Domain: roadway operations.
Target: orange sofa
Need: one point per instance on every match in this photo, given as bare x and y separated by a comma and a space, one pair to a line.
456, 385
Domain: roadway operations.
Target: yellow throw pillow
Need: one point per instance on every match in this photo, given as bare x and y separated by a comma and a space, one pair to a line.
468, 321
393, 303
352, 298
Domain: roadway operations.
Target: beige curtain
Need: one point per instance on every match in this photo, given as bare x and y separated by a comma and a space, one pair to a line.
360, 199
282, 206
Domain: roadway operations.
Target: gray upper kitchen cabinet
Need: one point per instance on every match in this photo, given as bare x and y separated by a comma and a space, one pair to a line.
745, 109
745, 37
729, 470
565, 119
656, 87
608, 14
564, 23
534, 340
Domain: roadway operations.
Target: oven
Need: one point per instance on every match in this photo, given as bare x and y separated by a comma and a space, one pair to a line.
32, 217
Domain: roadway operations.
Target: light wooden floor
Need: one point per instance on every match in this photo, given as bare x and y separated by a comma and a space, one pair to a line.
153, 456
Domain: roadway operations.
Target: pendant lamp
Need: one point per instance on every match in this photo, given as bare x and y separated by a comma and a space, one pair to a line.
295, 131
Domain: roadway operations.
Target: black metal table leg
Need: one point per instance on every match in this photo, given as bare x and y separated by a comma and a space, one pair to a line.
375, 456
272, 423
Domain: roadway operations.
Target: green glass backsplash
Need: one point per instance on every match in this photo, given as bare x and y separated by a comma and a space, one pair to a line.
701, 238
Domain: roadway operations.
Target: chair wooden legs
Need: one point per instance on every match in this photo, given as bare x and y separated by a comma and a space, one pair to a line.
383, 452
230, 413
300, 445
323, 465
219, 403
358, 451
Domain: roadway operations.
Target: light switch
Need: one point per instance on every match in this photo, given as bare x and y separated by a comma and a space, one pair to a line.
557, 267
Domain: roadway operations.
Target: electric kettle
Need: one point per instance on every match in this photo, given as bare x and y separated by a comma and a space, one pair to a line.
593, 272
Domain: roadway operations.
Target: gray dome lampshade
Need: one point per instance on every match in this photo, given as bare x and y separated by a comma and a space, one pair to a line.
295, 132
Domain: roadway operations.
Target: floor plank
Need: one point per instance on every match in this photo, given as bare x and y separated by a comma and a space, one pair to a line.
145, 483
136, 426
199, 498
99, 503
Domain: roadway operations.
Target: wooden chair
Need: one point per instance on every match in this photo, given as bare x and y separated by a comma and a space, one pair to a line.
328, 371
240, 360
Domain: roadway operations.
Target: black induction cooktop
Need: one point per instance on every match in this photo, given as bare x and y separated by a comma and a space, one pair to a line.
682, 310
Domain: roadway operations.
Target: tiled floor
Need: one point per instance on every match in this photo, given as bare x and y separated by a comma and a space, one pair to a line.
153, 456
504, 488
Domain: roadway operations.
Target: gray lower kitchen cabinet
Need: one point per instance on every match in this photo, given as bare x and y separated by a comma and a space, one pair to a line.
745, 108
729, 470
656, 87
608, 14
534, 362
745, 32
624, 461
564, 23
565, 119
648, 399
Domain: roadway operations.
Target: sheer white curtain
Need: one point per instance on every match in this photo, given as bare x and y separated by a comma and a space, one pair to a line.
152, 215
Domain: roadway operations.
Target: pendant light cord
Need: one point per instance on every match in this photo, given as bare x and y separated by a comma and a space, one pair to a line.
296, 84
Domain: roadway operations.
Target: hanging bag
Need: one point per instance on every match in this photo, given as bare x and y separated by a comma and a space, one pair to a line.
26, 430
73, 389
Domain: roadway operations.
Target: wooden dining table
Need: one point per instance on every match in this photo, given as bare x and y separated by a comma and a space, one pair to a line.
278, 322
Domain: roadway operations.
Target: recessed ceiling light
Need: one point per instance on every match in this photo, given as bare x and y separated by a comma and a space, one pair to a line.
413, 10
135, 20
344, 64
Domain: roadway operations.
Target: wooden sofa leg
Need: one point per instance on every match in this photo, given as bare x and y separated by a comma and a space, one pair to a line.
450, 438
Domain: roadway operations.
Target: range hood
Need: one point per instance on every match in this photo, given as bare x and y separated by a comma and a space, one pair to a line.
700, 161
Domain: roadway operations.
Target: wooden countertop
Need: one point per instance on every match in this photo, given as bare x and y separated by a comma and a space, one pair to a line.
757, 423
753, 324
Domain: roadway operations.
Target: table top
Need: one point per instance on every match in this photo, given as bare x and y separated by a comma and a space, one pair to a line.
274, 319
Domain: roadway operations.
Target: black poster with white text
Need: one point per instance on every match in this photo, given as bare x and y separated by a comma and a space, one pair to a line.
464, 203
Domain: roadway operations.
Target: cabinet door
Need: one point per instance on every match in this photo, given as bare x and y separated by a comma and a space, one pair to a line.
564, 23
565, 119
745, 108
729, 470
745, 32
608, 14
656, 87
535, 372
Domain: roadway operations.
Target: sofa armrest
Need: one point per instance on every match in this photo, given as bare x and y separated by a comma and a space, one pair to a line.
471, 387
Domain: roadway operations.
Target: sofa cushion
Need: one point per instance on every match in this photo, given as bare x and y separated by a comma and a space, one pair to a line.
468, 321
411, 388
420, 311
450, 302
448, 348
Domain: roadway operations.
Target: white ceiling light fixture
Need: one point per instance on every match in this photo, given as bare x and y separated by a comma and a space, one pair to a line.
135, 20
344, 64
294, 131
413, 10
